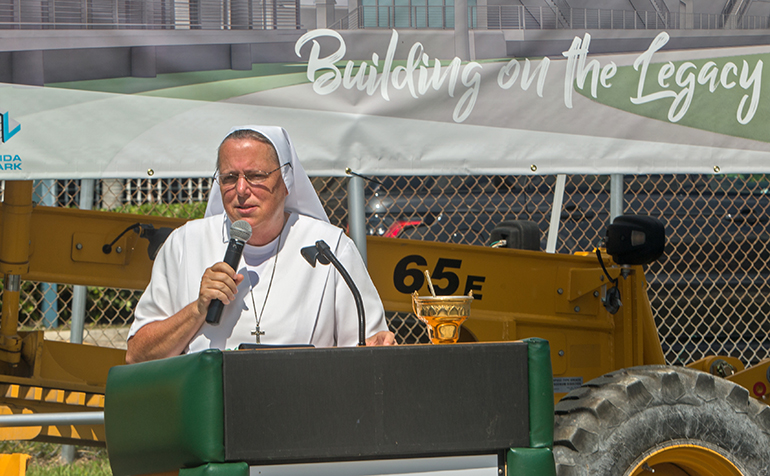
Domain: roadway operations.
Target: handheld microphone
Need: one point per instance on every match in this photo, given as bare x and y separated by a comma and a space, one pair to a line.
240, 232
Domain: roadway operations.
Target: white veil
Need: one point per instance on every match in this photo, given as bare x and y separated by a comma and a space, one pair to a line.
302, 197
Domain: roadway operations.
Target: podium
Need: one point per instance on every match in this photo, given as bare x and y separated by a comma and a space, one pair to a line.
226, 412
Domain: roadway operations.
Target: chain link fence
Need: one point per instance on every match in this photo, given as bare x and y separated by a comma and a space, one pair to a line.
709, 292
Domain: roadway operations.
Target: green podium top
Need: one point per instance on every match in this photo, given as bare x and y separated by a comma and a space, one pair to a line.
274, 406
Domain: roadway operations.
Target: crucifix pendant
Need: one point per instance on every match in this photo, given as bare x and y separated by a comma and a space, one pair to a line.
256, 332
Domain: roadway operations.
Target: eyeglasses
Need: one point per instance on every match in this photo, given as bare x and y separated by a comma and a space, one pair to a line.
252, 178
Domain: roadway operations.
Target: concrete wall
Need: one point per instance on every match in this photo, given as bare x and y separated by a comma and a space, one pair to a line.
6, 72
92, 63
178, 59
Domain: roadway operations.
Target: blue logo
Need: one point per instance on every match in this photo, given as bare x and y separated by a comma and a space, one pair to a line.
9, 127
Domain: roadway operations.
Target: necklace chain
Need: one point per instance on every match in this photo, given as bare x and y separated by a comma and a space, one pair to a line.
258, 317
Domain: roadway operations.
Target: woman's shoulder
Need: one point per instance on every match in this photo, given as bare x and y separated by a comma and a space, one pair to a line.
317, 226
200, 228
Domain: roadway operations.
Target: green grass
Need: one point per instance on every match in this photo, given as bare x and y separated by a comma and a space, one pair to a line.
713, 112
217, 85
176, 210
171, 81
47, 461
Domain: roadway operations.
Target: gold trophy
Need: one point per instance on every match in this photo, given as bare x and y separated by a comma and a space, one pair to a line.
443, 314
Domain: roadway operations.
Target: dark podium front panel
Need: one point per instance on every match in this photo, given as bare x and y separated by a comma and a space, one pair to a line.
302, 405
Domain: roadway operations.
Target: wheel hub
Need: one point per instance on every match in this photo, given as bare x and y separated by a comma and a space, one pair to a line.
681, 459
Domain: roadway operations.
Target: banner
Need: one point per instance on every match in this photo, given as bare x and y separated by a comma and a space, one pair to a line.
393, 102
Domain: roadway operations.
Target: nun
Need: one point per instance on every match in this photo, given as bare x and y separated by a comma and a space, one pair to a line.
273, 296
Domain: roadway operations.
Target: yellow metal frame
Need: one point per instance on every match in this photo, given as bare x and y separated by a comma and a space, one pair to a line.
556, 297
66, 247
524, 294
54, 377
14, 464
61, 245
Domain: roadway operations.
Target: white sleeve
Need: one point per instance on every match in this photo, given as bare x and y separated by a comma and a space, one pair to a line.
159, 300
345, 305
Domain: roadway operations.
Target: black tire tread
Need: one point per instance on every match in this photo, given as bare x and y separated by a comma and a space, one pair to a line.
601, 426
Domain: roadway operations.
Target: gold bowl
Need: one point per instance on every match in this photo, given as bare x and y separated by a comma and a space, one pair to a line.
443, 314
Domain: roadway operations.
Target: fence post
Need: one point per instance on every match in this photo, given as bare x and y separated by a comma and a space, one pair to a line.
79, 301
356, 213
45, 194
558, 199
617, 202
77, 323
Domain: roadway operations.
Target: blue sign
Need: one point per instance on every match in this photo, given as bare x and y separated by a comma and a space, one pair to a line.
10, 127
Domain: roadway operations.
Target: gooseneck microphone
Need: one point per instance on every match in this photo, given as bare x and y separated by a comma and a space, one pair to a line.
321, 253
240, 232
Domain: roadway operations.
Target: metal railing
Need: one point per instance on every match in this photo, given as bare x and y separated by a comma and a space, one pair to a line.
285, 14
710, 293
519, 17
43, 419
414, 17
150, 14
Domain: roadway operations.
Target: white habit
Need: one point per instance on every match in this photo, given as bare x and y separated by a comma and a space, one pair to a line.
305, 305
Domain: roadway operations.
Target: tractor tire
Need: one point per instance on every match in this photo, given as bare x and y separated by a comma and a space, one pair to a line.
661, 420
